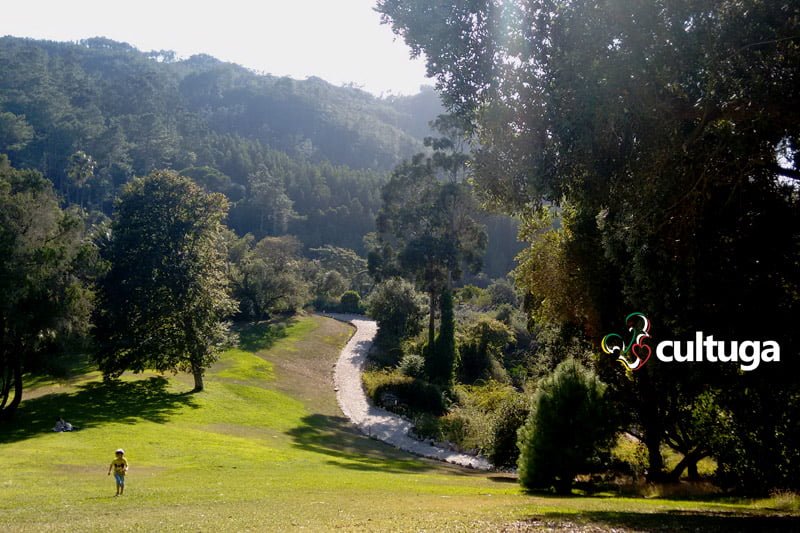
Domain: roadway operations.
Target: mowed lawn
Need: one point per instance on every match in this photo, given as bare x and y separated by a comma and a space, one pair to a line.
265, 447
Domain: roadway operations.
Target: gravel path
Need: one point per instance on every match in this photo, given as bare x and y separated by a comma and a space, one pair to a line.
373, 421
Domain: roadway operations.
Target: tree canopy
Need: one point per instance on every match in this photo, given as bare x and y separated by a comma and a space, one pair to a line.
666, 134
165, 298
42, 256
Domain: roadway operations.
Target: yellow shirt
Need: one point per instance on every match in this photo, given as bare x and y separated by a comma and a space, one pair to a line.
120, 465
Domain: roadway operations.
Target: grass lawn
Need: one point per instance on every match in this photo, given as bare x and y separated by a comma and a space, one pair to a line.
265, 448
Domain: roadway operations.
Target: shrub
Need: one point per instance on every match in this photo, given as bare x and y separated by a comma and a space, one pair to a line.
469, 424
412, 365
398, 308
501, 291
567, 429
350, 302
426, 426
481, 347
502, 448
414, 396
472, 295
467, 428
630, 456
505, 314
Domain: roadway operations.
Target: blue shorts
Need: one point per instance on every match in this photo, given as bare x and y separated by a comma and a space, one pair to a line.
120, 478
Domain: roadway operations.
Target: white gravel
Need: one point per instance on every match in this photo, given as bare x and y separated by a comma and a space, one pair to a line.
371, 420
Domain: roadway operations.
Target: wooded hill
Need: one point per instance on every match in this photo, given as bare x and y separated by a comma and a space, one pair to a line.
303, 157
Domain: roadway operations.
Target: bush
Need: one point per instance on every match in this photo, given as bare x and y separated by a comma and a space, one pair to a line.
413, 396
567, 430
469, 424
501, 291
412, 365
502, 447
426, 426
398, 308
481, 349
350, 302
467, 428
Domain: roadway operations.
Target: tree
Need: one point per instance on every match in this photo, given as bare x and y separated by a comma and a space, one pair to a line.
350, 302
481, 348
398, 309
350, 266
567, 428
427, 232
15, 132
80, 170
165, 298
670, 131
440, 358
41, 252
271, 278
268, 199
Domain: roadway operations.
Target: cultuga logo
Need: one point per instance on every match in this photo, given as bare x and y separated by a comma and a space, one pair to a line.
635, 353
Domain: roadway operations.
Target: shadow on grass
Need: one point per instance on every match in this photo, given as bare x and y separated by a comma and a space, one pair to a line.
255, 336
93, 404
335, 437
674, 520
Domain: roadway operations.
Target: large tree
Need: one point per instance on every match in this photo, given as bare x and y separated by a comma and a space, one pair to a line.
670, 130
270, 277
43, 297
427, 231
165, 298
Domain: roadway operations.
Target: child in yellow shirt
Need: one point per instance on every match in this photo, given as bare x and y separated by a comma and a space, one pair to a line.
120, 467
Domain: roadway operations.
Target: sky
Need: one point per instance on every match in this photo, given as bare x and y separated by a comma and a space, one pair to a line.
341, 41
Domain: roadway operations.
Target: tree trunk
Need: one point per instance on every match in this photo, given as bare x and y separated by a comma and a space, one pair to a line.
655, 468
652, 427
432, 320
694, 475
197, 372
689, 462
11, 408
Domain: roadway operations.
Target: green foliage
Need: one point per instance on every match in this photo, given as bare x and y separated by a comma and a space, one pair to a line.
43, 257
474, 422
350, 302
398, 309
502, 292
568, 428
325, 149
427, 231
471, 295
267, 208
268, 277
756, 447
403, 394
647, 124
481, 348
440, 358
507, 419
347, 265
165, 298
273, 440
632, 454
412, 365
15, 132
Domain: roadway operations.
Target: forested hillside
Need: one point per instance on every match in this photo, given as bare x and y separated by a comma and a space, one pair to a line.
303, 157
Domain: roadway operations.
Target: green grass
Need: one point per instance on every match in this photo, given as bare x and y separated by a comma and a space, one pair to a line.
265, 448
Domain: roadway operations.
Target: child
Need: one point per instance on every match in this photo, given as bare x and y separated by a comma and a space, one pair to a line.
120, 467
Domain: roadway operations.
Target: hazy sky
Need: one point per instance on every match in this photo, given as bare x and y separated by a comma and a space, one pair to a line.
340, 41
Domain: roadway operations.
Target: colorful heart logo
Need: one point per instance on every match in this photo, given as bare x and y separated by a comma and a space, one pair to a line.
613, 344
